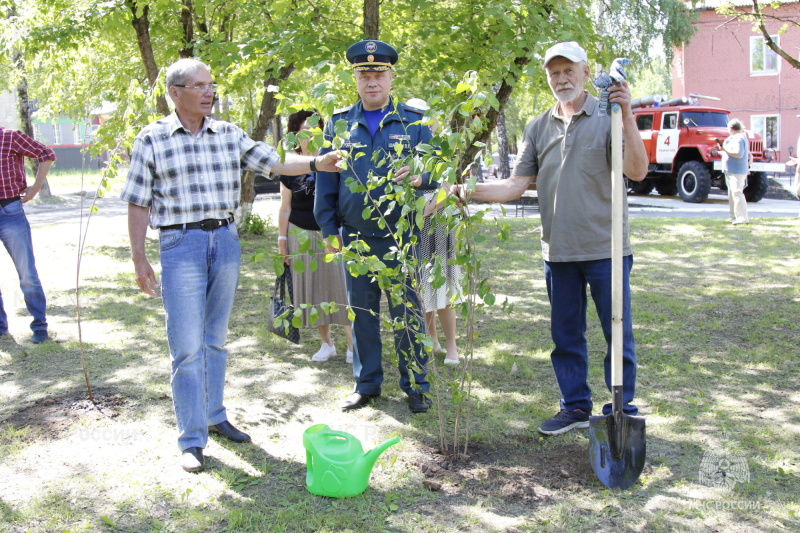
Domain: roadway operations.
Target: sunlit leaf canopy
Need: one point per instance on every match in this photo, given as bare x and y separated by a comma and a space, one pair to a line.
81, 53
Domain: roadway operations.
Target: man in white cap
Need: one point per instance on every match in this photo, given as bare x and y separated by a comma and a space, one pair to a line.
567, 152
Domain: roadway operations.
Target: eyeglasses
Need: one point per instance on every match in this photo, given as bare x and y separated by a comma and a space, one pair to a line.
202, 88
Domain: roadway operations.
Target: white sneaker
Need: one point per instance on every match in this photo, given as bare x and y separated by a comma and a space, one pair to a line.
348, 356
326, 351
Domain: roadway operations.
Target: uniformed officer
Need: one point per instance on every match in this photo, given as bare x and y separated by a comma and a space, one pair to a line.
375, 125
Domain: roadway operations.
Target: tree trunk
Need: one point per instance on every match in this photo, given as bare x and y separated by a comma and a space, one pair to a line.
24, 108
265, 115
372, 18
502, 146
187, 19
502, 95
141, 24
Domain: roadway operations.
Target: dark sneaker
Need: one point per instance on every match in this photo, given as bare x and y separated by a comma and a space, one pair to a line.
418, 403
39, 336
565, 421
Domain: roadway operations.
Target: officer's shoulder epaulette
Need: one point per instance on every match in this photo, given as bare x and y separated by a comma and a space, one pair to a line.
342, 110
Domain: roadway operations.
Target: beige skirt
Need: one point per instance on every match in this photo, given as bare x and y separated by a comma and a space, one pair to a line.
325, 284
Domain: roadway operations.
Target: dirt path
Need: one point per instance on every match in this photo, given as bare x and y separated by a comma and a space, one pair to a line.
57, 229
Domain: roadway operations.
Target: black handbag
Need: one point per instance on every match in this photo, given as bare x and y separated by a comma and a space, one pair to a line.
278, 305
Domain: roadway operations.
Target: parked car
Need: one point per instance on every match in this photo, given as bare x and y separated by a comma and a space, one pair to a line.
494, 168
264, 185
479, 170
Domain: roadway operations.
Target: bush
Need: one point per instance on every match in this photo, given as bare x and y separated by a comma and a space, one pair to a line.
254, 224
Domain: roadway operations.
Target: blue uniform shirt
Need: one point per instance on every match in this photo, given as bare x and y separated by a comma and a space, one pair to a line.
335, 205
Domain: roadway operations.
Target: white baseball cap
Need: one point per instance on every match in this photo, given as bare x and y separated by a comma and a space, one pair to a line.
570, 49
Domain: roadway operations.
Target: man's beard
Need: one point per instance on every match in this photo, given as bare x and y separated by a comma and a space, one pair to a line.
565, 97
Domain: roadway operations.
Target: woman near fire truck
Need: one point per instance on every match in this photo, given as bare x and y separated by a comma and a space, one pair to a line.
735, 153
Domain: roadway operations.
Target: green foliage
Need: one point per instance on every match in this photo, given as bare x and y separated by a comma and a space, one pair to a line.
652, 78
629, 28
82, 53
254, 225
465, 57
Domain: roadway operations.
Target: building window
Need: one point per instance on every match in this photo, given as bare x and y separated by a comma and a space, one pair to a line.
768, 126
57, 134
763, 60
37, 133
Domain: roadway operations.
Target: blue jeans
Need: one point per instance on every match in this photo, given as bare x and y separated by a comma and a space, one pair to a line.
199, 276
365, 299
15, 232
566, 289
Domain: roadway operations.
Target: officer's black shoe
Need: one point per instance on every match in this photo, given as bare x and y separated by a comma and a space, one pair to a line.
418, 403
357, 401
227, 430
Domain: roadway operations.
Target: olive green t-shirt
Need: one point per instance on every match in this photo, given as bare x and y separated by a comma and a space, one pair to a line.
571, 163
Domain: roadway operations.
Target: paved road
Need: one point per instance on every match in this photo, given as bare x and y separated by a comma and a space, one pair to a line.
715, 207
114, 211
654, 205
56, 233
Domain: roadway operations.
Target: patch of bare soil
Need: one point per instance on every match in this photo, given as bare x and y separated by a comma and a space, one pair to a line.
49, 418
519, 475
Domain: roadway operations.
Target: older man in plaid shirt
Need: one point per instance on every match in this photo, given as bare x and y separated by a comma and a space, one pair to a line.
185, 180
15, 231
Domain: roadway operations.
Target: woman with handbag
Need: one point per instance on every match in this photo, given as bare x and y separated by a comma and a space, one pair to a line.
327, 282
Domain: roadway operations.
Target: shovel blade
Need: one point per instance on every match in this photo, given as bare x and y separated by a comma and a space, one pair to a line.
617, 449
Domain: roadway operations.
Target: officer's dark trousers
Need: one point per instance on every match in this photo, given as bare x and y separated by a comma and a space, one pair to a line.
365, 296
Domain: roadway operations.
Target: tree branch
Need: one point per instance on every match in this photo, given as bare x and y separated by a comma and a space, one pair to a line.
768, 39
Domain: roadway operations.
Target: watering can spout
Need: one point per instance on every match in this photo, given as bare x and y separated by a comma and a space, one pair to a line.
368, 459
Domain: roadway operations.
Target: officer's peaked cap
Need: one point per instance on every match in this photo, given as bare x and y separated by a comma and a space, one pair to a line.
371, 55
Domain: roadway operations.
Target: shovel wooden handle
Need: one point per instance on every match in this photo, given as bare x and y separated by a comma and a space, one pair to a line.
617, 199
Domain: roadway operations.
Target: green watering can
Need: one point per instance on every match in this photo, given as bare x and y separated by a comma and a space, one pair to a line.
337, 465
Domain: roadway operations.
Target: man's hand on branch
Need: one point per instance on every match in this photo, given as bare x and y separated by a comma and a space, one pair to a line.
330, 161
402, 173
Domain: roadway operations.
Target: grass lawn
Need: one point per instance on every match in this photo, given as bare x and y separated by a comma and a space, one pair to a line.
715, 315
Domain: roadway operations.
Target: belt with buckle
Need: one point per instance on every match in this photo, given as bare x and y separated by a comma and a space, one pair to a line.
205, 225
5, 201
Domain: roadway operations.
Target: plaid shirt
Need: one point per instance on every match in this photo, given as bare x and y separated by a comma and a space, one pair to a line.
15, 146
184, 178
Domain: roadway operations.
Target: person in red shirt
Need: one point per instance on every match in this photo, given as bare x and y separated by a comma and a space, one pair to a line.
15, 231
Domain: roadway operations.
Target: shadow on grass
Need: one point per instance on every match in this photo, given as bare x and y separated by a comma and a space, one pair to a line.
714, 317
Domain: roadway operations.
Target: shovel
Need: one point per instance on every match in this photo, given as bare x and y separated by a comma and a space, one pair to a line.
617, 441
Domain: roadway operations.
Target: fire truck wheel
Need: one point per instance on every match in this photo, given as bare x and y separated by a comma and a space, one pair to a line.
757, 185
694, 182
